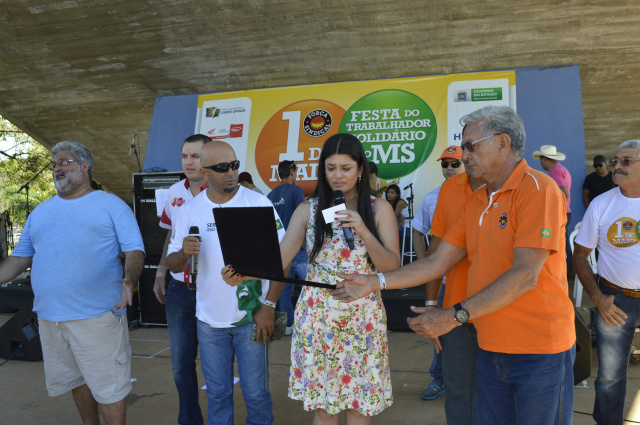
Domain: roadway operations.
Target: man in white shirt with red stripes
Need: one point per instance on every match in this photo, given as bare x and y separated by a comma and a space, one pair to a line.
180, 295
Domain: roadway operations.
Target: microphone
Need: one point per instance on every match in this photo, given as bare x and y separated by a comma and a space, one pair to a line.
193, 260
408, 186
338, 198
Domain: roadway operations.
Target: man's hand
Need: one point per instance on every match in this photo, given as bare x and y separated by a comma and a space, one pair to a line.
160, 290
354, 286
610, 312
127, 295
432, 322
264, 318
191, 245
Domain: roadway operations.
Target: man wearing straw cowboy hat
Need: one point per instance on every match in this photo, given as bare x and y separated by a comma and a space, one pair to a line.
549, 157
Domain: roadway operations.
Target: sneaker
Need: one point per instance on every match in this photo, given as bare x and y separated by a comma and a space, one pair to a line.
433, 391
288, 331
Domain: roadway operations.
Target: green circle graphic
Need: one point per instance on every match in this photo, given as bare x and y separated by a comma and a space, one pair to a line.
398, 130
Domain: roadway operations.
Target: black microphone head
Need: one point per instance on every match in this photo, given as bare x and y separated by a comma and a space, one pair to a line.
338, 197
193, 230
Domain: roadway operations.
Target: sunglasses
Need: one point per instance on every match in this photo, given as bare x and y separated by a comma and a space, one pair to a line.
223, 167
598, 165
625, 162
469, 145
454, 164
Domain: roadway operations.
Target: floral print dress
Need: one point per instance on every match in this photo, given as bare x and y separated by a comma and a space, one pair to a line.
339, 351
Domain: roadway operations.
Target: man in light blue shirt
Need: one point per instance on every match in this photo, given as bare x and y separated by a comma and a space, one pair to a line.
73, 242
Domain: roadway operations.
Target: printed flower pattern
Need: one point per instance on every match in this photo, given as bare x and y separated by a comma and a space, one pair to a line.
339, 351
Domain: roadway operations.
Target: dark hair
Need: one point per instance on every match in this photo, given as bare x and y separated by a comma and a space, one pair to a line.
373, 168
346, 144
397, 189
196, 138
285, 168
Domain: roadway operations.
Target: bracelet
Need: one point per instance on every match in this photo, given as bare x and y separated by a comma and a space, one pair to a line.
269, 303
429, 303
383, 282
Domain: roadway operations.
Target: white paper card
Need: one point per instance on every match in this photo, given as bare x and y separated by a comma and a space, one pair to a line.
330, 213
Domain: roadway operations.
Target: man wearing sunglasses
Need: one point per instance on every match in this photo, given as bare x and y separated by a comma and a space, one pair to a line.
611, 224
512, 231
226, 314
598, 182
451, 165
180, 295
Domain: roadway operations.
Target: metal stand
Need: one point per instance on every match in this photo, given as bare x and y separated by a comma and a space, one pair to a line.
410, 199
26, 185
408, 228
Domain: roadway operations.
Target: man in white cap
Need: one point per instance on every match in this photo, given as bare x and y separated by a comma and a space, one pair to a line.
549, 157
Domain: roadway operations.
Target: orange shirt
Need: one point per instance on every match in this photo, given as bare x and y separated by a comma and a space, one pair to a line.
529, 211
453, 195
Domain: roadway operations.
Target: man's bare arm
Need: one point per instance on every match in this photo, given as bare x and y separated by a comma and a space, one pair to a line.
12, 266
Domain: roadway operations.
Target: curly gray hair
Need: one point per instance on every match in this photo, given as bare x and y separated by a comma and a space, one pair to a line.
502, 119
79, 152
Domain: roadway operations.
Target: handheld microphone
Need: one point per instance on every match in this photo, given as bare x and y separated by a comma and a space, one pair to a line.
193, 260
338, 198
408, 186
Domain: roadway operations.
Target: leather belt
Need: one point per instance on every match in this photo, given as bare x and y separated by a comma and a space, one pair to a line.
634, 293
189, 285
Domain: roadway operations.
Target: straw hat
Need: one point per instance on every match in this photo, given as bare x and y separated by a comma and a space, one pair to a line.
549, 151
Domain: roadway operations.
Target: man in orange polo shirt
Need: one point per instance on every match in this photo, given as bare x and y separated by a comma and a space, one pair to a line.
512, 230
458, 347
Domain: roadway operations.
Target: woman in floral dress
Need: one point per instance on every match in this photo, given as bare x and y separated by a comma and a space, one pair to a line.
339, 351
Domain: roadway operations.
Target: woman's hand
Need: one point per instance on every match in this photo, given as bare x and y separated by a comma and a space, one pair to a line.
230, 276
349, 218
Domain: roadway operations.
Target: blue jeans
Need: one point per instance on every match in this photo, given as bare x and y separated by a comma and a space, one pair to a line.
217, 348
532, 389
436, 364
183, 340
298, 271
459, 352
614, 349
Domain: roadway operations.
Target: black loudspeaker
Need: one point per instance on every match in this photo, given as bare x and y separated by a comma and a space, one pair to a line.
145, 186
398, 302
582, 365
20, 338
144, 190
151, 311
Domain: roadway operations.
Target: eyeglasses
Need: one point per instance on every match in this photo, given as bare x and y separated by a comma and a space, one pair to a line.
62, 162
624, 162
454, 164
469, 145
598, 165
223, 167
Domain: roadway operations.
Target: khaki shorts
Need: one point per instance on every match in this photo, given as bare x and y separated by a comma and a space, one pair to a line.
92, 351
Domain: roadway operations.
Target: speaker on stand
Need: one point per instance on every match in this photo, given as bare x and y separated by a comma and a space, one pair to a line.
148, 188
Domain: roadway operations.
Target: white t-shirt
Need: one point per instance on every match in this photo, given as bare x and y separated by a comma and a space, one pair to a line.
217, 302
177, 195
422, 220
611, 225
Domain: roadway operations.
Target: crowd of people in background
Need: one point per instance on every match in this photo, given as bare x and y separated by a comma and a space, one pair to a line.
491, 248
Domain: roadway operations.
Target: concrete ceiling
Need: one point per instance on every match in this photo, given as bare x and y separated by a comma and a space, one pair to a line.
90, 70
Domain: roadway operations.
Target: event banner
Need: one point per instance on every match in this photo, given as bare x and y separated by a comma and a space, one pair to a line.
404, 124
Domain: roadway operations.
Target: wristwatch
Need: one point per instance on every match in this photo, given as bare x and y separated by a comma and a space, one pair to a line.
462, 315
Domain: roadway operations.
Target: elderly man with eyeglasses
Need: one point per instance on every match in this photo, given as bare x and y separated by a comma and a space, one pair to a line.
73, 242
611, 224
512, 231
225, 314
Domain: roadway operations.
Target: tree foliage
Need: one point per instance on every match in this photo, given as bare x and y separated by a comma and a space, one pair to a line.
21, 158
